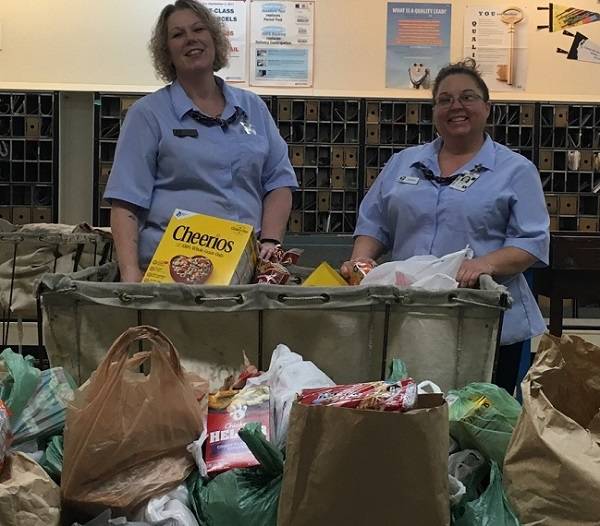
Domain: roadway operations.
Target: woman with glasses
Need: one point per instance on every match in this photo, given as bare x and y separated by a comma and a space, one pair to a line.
463, 189
196, 144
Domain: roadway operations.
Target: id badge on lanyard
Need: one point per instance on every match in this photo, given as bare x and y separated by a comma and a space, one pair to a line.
463, 182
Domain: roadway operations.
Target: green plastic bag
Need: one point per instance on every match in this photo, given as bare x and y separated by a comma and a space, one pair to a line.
491, 509
44, 414
242, 496
398, 371
52, 460
483, 417
20, 380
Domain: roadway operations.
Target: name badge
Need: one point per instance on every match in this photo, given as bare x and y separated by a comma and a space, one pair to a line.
247, 126
408, 179
464, 181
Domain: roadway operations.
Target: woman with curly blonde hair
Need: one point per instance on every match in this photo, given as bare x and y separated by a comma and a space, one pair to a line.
197, 144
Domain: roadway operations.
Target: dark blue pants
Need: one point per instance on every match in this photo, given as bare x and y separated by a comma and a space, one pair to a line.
507, 367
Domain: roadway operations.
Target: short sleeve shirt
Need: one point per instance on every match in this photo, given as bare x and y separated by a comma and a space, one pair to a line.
223, 171
504, 207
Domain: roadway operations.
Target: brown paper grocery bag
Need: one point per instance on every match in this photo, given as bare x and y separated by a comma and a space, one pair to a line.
357, 467
28, 496
552, 466
126, 433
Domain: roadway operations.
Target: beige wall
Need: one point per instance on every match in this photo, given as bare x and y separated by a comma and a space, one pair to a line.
100, 45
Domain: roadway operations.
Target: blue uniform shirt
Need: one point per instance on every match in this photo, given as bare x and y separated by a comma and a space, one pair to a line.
223, 172
504, 207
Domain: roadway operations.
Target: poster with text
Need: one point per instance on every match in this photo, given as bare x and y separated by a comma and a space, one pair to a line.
496, 37
234, 14
418, 43
281, 43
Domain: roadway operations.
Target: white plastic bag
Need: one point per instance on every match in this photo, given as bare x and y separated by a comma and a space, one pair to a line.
422, 271
288, 374
428, 387
195, 448
456, 490
171, 509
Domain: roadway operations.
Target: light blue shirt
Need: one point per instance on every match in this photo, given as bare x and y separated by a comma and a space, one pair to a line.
504, 207
223, 172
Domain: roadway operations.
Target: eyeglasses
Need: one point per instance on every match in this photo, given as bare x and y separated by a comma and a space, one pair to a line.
465, 99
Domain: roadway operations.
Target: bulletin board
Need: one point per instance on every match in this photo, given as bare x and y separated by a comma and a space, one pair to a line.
84, 45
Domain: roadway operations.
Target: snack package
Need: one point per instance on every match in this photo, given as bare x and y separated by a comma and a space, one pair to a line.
273, 270
359, 270
228, 412
378, 396
5, 436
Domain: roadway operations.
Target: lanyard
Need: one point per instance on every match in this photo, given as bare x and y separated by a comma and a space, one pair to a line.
205, 120
460, 181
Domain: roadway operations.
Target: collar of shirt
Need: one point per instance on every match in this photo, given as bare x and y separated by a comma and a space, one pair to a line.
183, 104
428, 156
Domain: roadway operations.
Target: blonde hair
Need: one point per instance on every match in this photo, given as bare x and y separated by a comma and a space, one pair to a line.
159, 50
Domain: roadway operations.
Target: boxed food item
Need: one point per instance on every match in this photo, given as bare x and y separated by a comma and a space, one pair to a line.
228, 412
197, 249
325, 276
379, 396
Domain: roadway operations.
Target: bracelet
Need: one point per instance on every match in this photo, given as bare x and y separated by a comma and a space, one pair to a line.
269, 240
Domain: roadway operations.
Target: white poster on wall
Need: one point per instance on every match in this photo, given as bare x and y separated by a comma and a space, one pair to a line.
234, 14
496, 37
281, 43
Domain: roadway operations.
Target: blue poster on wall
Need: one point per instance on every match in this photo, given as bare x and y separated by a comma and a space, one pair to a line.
418, 43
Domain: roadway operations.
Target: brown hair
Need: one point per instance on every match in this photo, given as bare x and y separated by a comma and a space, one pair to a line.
464, 67
158, 42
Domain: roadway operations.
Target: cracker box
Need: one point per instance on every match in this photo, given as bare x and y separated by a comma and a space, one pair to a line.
199, 249
325, 276
228, 412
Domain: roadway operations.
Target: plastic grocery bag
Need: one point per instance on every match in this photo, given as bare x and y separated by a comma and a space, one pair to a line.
288, 374
18, 381
456, 490
491, 509
470, 468
171, 509
45, 412
398, 371
52, 460
247, 496
424, 271
28, 497
483, 417
126, 433
106, 519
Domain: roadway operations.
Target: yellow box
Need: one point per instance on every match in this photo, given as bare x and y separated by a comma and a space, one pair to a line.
324, 276
197, 249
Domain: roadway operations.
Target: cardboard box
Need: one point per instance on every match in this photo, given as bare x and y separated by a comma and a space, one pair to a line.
197, 249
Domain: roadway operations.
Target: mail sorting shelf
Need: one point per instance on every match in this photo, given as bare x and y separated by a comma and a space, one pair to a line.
109, 114
28, 157
323, 137
569, 164
395, 125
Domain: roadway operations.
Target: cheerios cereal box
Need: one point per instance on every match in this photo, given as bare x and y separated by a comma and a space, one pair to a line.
199, 249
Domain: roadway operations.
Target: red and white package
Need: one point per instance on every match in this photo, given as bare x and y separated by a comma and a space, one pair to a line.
228, 412
379, 396
5, 434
